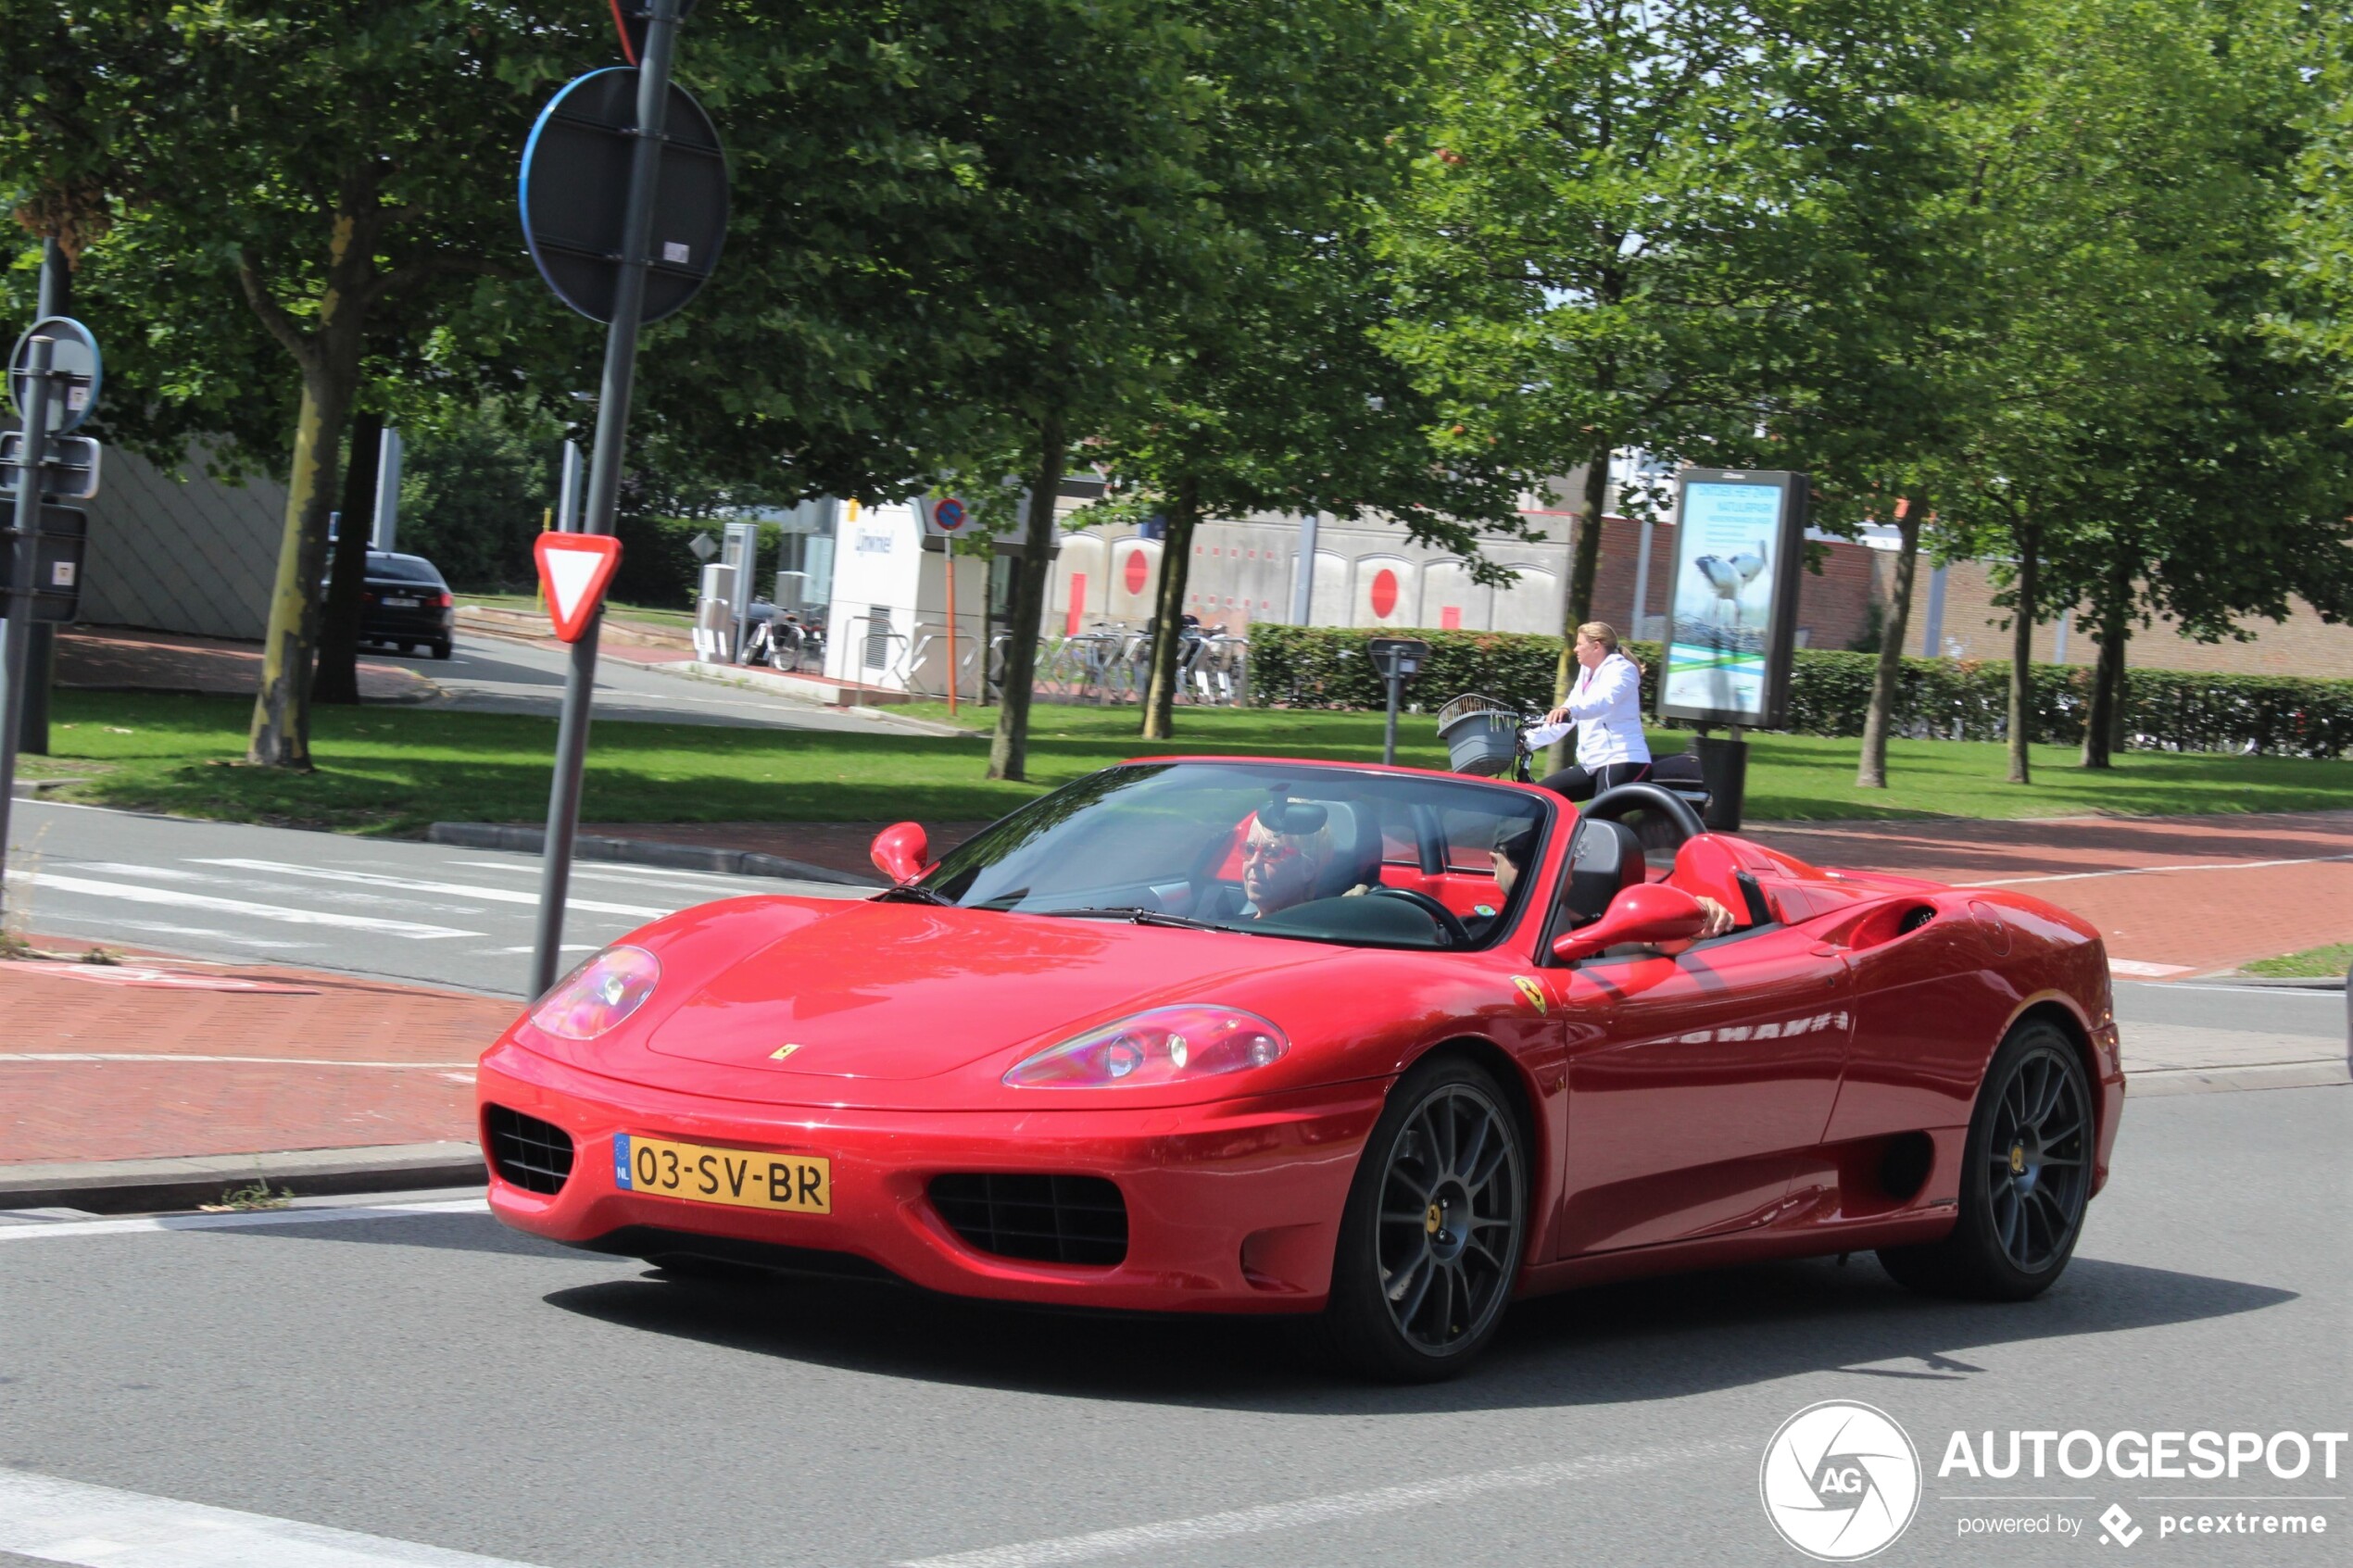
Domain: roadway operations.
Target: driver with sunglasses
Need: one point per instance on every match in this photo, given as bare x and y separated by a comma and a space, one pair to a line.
1280, 869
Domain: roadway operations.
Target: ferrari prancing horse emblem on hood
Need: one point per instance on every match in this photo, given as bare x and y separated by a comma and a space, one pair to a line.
1534, 991
782, 1051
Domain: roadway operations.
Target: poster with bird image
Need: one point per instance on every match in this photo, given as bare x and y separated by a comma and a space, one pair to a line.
1727, 623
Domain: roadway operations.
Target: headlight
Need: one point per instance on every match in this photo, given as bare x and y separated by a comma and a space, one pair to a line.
1165, 1046
597, 996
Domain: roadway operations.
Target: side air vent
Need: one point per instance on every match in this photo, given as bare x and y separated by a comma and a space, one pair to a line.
1044, 1218
527, 1152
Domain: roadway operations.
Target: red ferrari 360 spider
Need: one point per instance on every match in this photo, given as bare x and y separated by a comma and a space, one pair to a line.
1384, 1046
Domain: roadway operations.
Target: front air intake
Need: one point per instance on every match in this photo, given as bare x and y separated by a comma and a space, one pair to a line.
1044, 1218
527, 1152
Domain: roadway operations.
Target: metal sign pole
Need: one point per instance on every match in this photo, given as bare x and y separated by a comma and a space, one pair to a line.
15, 643
604, 480
1388, 737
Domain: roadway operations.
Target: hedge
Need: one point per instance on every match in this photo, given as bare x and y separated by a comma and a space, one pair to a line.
1830, 690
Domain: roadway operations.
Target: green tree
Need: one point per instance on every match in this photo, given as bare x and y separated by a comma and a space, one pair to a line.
1621, 207
1271, 391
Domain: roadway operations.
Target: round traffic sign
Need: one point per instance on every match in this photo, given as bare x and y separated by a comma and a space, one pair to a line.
950, 514
75, 370
576, 196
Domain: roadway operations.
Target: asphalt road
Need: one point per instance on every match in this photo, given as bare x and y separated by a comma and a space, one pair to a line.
497, 675
389, 907
434, 1379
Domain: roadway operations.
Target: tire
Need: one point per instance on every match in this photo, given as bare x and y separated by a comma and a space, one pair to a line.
2026, 1178
1416, 1292
440, 650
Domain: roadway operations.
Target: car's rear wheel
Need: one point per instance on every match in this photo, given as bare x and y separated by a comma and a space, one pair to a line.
441, 650
2026, 1178
1437, 1218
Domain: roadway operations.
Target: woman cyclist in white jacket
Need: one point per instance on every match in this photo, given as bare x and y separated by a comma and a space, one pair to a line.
1606, 707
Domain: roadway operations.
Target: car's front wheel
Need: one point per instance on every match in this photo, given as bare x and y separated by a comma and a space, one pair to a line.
2026, 1176
1437, 1219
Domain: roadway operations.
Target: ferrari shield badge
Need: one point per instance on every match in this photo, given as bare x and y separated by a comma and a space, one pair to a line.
781, 1052
1534, 991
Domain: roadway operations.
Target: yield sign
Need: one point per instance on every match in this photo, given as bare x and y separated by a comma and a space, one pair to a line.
575, 569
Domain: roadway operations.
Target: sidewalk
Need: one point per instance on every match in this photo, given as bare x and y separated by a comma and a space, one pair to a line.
120, 659
2174, 896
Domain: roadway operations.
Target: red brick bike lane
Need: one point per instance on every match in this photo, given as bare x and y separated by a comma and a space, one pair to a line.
160, 1057
2174, 896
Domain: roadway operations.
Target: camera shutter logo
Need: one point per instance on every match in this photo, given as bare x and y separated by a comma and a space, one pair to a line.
1840, 1481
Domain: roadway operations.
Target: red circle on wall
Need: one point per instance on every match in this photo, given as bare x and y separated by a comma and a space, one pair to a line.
1134, 571
1384, 593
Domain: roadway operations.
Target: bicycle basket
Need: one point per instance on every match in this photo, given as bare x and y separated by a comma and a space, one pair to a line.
1481, 734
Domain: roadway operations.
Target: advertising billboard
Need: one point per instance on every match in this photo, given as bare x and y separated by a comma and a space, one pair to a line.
1739, 538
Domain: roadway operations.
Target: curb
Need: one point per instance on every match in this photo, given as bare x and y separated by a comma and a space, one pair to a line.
748, 677
34, 789
642, 852
129, 1186
2155, 1082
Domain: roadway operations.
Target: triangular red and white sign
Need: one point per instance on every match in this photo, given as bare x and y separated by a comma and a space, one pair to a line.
574, 569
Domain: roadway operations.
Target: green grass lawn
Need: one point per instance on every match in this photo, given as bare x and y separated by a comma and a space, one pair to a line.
2315, 963
393, 770
673, 620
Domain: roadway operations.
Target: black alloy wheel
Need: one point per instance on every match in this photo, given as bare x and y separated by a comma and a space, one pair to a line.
1437, 1219
2026, 1178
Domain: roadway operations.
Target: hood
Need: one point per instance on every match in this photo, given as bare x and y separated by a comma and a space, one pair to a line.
895, 991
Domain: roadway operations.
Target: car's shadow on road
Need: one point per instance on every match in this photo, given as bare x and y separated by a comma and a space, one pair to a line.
1651, 1339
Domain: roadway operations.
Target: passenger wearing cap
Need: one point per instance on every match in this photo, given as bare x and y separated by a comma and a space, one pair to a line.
1515, 848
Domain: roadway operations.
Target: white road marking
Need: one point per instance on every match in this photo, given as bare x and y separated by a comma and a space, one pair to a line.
465, 889
1319, 1511
358, 898
165, 928
262, 1061
72, 1522
244, 1219
650, 876
2140, 969
566, 948
412, 930
2151, 871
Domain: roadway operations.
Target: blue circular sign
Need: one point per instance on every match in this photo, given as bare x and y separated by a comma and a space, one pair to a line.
951, 515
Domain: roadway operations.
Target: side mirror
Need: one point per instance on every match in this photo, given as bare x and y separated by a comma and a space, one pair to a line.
902, 851
1650, 912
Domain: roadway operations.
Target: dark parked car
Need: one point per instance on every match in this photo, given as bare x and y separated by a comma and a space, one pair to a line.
406, 604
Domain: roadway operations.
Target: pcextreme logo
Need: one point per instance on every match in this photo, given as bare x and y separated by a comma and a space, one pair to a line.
1840, 1481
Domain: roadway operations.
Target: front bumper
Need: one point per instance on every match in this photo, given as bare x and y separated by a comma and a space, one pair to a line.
1231, 1207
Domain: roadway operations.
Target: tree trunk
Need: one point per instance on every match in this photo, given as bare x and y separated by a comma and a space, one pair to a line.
330, 357
2030, 550
1585, 560
1168, 609
280, 735
2105, 721
338, 677
1872, 773
1009, 749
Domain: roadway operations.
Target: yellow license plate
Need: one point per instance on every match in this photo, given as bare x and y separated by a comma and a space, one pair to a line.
744, 1178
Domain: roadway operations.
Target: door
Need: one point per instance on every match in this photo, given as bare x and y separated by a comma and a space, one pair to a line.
1698, 1086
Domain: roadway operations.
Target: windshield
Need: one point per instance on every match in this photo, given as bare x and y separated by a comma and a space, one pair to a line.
404, 569
1322, 854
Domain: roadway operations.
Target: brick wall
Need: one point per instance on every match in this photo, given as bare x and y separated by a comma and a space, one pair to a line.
2303, 644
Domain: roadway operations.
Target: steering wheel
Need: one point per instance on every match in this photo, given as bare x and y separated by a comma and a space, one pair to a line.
1612, 804
1457, 934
